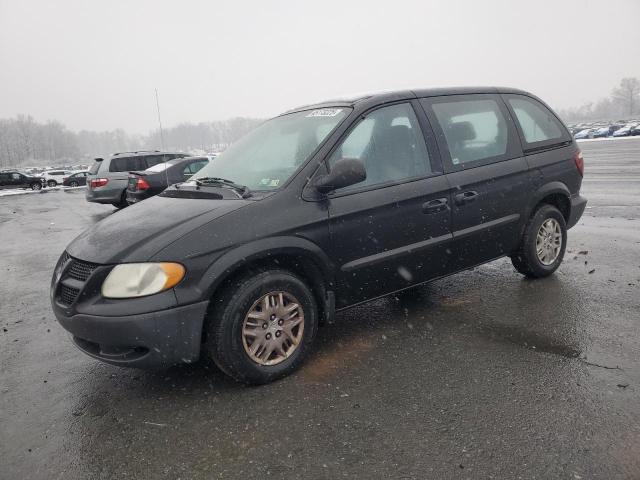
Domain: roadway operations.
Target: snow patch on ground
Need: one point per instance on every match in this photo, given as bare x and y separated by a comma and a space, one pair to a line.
606, 139
23, 191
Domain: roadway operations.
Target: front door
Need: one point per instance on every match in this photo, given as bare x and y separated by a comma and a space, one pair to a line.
392, 230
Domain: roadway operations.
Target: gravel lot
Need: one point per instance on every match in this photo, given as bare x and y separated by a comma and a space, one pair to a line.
484, 375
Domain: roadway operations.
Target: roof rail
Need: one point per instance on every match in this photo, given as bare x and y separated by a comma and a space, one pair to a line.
138, 151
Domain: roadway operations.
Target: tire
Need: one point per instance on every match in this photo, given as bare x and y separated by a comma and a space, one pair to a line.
52, 183
36, 186
123, 201
230, 349
73, 184
526, 259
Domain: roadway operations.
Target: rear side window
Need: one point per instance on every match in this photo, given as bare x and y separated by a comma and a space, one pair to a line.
127, 164
474, 130
95, 167
536, 121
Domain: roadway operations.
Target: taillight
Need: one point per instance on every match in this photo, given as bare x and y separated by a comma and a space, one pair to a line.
579, 159
142, 184
98, 182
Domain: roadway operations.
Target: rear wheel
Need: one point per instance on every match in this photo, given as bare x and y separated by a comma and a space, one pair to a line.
123, 201
543, 244
262, 327
36, 186
52, 183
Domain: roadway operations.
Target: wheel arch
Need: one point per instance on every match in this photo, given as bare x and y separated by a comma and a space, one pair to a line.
553, 193
298, 255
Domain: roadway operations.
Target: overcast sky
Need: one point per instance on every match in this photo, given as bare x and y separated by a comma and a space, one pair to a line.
95, 64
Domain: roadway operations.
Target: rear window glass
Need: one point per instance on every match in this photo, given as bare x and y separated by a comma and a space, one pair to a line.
158, 168
474, 129
152, 160
94, 168
127, 164
194, 167
537, 123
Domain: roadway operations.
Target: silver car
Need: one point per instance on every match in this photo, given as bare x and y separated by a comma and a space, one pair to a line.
107, 180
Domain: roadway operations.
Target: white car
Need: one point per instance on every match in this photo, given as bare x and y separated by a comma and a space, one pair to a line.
54, 177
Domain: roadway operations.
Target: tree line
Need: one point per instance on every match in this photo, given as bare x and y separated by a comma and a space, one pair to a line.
26, 142
622, 103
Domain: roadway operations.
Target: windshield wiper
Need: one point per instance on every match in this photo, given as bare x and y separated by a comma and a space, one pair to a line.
243, 190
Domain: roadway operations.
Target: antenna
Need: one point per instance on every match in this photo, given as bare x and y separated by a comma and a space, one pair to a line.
159, 121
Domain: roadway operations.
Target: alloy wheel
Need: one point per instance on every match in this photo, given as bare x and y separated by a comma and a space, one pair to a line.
272, 329
549, 241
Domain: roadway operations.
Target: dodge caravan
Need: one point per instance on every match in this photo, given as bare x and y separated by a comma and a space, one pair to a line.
321, 208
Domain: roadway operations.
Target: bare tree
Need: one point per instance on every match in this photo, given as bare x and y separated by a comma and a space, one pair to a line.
628, 94
25, 141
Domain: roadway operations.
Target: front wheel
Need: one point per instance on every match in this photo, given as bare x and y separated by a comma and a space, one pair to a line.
73, 184
52, 183
543, 244
262, 327
36, 186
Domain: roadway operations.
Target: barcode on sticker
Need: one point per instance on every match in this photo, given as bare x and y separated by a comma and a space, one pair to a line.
325, 112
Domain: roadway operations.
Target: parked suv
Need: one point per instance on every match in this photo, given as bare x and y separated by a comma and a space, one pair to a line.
317, 210
107, 180
53, 178
16, 179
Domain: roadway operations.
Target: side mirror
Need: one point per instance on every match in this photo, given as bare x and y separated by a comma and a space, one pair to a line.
345, 172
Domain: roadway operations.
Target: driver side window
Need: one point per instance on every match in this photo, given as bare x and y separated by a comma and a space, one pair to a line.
389, 143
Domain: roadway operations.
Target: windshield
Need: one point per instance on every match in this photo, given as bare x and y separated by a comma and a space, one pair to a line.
266, 158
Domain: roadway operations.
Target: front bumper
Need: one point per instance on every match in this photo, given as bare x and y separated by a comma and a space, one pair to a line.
578, 204
149, 340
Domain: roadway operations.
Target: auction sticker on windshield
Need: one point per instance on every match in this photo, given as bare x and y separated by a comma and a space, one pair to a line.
325, 112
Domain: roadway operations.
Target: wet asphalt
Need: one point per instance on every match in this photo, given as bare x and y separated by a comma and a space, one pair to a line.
480, 375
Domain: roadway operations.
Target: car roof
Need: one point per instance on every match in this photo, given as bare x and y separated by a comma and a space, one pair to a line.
144, 153
394, 95
138, 153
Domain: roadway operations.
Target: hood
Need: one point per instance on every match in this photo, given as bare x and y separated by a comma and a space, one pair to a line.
136, 233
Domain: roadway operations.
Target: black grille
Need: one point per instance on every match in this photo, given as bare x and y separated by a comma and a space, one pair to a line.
67, 294
80, 270
75, 273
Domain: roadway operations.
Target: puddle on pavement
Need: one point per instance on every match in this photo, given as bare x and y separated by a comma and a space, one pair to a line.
532, 340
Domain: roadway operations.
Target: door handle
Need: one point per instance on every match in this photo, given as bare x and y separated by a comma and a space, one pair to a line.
465, 197
435, 206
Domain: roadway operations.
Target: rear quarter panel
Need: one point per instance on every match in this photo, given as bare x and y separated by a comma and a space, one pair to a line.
556, 165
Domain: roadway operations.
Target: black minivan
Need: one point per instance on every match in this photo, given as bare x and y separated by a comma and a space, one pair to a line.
319, 209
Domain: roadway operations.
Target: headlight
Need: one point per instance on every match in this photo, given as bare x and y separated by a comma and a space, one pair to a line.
139, 279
